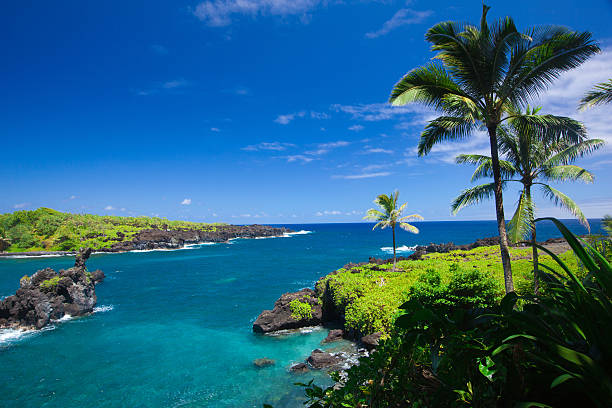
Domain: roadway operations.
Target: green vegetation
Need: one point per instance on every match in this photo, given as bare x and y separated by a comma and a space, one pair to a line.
48, 230
530, 161
369, 297
522, 351
391, 216
49, 284
481, 76
601, 94
300, 310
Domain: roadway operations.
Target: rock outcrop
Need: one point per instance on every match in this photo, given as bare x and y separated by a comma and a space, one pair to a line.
333, 335
319, 359
285, 313
49, 295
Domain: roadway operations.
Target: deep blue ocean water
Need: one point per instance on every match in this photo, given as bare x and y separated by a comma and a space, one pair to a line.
173, 328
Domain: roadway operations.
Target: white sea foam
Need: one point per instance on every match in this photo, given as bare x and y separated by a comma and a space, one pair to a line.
64, 318
10, 336
33, 256
302, 232
401, 249
103, 308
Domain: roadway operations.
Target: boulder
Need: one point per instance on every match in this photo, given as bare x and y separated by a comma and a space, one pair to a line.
370, 342
319, 359
299, 368
263, 362
282, 317
334, 335
49, 295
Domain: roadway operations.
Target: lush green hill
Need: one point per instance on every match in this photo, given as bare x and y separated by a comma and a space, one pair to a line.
49, 230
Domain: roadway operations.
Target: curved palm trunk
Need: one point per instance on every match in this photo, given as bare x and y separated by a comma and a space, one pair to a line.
534, 257
499, 209
393, 229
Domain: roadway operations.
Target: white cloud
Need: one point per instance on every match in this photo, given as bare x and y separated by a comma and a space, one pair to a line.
319, 115
377, 111
219, 13
328, 212
286, 119
276, 146
215, 129
21, 205
378, 150
109, 208
362, 175
186, 201
401, 17
356, 128
72, 197
298, 157
333, 145
176, 83
167, 86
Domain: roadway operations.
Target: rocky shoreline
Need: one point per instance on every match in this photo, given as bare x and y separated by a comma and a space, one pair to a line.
160, 238
48, 295
322, 311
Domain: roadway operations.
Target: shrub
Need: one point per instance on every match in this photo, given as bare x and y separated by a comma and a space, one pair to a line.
300, 310
49, 284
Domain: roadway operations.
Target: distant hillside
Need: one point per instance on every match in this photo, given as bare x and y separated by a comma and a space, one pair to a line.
49, 230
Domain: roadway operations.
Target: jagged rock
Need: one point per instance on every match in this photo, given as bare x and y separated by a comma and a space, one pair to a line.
370, 341
263, 362
50, 295
280, 318
299, 368
334, 335
319, 359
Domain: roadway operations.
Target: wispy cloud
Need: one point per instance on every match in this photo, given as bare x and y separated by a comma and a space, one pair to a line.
275, 146
362, 175
20, 205
328, 212
159, 49
298, 158
286, 119
401, 17
175, 83
377, 150
73, 197
356, 128
167, 86
109, 208
239, 90
377, 111
186, 201
220, 13
215, 129
323, 148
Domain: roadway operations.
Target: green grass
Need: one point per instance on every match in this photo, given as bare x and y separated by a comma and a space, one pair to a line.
49, 284
369, 298
48, 230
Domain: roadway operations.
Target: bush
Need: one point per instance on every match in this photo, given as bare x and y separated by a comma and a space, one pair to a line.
49, 284
300, 310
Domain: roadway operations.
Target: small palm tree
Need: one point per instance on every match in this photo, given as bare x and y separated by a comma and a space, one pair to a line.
599, 95
390, 216
529, 159
478, 74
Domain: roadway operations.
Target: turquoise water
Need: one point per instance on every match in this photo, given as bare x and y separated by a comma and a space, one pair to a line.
173, 328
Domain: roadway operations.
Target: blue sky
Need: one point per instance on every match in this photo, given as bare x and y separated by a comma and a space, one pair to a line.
250, 111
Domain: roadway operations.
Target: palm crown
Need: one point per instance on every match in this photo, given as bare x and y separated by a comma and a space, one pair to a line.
480, 74
392, 215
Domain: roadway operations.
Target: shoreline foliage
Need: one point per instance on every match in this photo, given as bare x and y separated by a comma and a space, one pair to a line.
45, 229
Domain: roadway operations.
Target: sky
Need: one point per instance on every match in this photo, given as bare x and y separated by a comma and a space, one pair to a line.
253, 111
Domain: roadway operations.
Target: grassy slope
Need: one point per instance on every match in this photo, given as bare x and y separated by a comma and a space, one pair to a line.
49, 230
370, 298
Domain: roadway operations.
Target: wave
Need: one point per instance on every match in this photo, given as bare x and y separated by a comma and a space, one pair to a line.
11, 336
64, 318
302, 232
103, 308
33, 256
401, 249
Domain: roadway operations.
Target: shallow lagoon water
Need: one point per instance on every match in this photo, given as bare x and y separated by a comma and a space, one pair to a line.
173, 328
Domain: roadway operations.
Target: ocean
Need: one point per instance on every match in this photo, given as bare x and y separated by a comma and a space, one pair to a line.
173, 328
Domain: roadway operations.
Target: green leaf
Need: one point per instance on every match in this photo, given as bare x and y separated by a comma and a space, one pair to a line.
561, 379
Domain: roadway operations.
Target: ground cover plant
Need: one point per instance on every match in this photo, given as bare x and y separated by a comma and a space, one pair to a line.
47, 229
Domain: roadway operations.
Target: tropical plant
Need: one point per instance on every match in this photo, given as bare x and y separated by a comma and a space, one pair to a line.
479, 75
599, 95
391, 216
527, 161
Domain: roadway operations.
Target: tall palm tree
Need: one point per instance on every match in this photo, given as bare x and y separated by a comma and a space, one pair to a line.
527, 161
390, 216
599, 95
479, 73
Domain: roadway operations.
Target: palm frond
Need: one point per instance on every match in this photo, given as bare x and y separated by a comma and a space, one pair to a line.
381, 225
563, 201
373, 215
485, 166
600, 94
408, 227
521, 224
549, 129
411, 217
444, 128
574, 151
473, 196
567, 172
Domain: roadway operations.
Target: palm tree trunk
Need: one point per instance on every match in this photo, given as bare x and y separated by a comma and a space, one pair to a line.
534, 258
499, 209
393, 229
